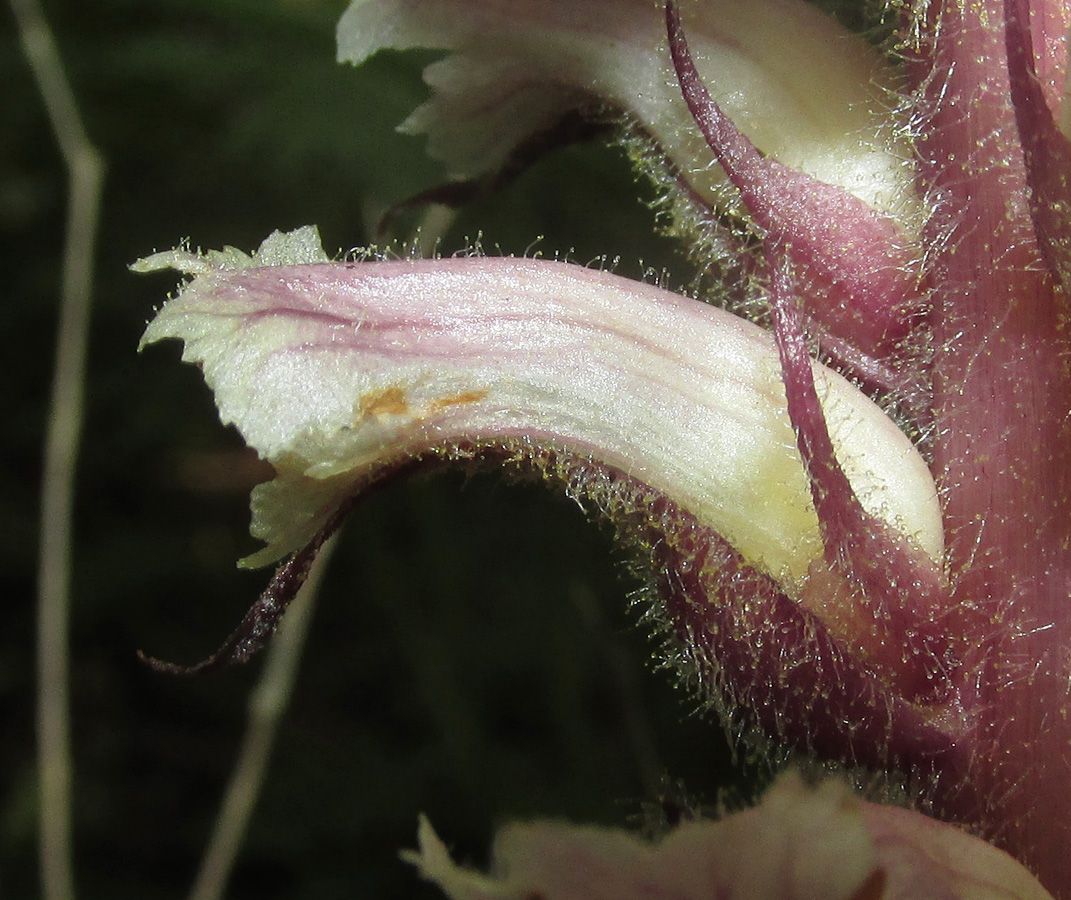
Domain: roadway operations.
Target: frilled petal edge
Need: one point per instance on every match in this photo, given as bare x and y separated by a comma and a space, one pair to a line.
800, 841
799, 86
337, 371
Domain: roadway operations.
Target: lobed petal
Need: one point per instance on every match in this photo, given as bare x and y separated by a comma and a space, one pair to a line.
800, 87
338, 372
800, 841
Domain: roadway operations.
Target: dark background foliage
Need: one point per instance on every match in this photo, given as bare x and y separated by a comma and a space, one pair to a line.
472, 655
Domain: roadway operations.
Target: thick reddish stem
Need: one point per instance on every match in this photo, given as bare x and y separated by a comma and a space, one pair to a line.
1001, 444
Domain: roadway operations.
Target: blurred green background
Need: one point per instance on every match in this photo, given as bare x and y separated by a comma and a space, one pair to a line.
472, 656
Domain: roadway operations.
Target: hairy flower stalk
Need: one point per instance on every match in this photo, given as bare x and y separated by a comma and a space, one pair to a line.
829, 583
1001, 450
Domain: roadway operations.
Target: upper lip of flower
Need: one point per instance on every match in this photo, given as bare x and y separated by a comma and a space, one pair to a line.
804, 90
683, 394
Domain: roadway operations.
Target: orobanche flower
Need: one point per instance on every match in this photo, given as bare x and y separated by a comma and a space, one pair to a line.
804, 92
799, 841
867, 558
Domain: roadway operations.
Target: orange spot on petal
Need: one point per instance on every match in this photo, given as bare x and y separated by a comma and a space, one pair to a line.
387, 402
461, 399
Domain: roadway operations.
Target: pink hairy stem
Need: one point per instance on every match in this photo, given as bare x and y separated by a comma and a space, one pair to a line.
955, 671
1001, 450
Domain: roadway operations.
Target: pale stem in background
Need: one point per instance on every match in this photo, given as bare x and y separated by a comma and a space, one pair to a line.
267, 705
271, 697
85, 171
435, 222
